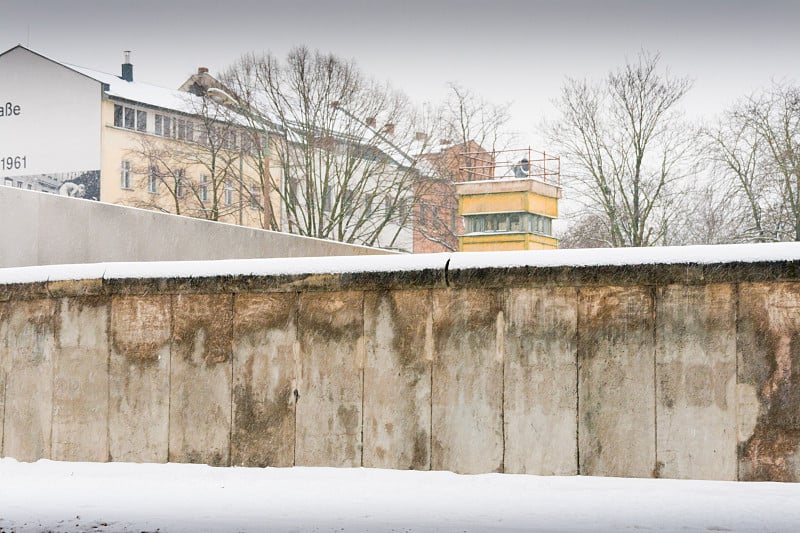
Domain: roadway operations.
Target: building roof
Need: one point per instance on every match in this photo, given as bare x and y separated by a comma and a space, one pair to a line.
136, 91
188, 103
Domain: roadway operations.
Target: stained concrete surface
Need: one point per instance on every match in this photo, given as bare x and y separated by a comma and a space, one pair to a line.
398, 326
330, 384
768, 350
616, 389
80, 380
696, 382
540, 378
264, 379
30, 328
467, 398
200, 379
139, 378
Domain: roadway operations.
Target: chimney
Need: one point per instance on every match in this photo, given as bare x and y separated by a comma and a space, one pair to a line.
202, 70
420, 136
127, 67
388, 128
371, 122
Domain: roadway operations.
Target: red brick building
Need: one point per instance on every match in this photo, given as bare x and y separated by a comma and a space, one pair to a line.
437, 222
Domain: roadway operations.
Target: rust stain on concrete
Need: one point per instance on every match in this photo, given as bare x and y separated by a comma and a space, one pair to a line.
770, 352
203, 329
140, 327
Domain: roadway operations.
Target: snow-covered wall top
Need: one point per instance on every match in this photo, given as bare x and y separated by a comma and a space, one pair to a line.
445, 268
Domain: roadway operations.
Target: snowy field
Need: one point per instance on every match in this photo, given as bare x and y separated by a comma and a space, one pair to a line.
57, 496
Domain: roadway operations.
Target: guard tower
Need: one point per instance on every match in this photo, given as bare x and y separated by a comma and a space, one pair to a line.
508, 199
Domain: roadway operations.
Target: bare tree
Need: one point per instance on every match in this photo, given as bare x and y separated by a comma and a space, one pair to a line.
734, 149
755, 151
343, 143
465, 123
625, 150
195, 164
774, 117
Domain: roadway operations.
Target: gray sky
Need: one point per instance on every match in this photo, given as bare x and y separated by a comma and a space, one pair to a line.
509, 51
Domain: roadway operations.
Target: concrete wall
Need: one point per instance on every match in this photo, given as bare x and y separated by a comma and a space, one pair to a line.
45, 229
679, 371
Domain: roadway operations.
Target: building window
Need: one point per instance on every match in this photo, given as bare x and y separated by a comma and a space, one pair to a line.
181, 129
152, 180
163, 126
509, 223
255, 197
125, 175
203, 188
189, 131
141, 120
228, 192
130, 115
127, 117
180, 188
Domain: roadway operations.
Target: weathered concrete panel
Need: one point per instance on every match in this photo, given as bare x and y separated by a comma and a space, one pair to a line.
696, 382
329, 418
30, 344
265, 336
768, 349
80, 380
540, 399
51, 229
397, 379
138, 419
616, 389
467, 420
4, 359
201, 379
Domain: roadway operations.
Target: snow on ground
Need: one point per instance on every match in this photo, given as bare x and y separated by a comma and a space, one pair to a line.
61, 496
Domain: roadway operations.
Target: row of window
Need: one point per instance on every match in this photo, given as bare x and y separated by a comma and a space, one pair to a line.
509, 223
130, 118
179, 128
154, 178
9, 182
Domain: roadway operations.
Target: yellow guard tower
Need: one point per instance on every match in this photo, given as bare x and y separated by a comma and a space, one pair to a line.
509, 200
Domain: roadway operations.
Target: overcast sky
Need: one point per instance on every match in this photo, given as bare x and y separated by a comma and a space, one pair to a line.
509, 51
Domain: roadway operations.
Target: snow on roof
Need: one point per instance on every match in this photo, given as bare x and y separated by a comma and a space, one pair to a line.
144, 93
710, 254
